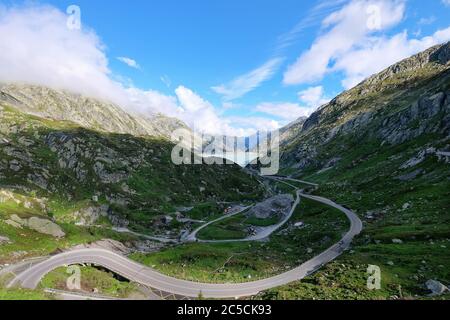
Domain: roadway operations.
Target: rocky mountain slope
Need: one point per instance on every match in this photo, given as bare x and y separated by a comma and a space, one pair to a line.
87, 112
93, 173
401, 103
383, 149
289, 132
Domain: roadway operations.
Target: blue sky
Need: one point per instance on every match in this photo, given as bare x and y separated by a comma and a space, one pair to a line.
234, 66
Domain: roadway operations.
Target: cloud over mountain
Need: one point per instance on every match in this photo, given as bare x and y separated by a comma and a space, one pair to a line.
352, 42
38, 47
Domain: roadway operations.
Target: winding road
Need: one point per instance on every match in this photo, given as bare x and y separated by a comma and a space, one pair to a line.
263, 234
192, 237
136, 272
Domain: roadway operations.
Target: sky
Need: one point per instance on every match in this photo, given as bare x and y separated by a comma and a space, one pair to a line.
225, 66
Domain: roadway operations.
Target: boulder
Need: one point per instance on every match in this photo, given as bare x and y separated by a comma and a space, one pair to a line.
40, 225
16, 222
4, 240
410, 176
46, 227
90, 215
278, 205
13, 224
436, 287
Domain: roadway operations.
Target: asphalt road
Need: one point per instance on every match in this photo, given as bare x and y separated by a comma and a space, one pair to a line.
263, 234
193, 235
146, 276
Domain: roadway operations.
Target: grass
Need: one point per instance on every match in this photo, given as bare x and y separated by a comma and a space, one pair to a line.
157, 185
402, 269
417, 212
335, 281
254, 221
242, 261
422, 227
104, 282
235, 227
26, 243
22, 294
227, 231
151, 185
205, 211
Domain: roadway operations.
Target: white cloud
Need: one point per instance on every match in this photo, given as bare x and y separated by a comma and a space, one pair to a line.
38, 48
129, 62
227, 105
342, 30
379, 53
151, 101
446, 2
312, 18
202, 115
249, 81
313, 97
253, 125
350, 46
427, 21
166, 80
285, 110
195, 111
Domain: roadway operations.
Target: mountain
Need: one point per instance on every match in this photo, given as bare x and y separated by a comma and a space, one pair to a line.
289, 132
88, 166
383, 150
85, 111
386, 107
72, 168
96, 114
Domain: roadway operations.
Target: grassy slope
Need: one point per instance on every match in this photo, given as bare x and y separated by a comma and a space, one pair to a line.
26, 243
416, 212
234, 227
21, 294
158, 185
91, 278
235, 262
424, 229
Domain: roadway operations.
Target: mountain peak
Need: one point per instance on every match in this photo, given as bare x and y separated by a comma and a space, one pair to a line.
439, 55
85, 111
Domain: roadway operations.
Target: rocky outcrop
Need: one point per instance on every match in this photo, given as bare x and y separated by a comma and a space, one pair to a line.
141, 246
87, 112
118, 221
407, 100
290, 132
410, 176
4, 240
436, 287
90, 215
146, 246
438, 54
400, 127
40, 225
403, 126
277, 206
107, 244
46, 227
